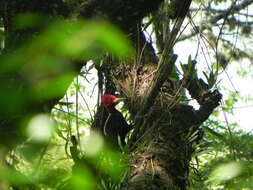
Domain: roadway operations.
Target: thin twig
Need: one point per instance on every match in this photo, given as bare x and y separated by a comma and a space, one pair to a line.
77, 107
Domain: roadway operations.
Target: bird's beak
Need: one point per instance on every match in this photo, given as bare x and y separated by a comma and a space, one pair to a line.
117, 100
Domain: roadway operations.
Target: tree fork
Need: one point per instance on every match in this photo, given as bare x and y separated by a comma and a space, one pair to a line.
161, 75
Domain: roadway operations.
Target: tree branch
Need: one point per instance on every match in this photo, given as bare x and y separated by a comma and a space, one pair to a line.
231, 10
160, 77
213, 20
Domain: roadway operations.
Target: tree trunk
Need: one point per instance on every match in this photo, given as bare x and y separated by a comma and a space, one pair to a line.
165, 129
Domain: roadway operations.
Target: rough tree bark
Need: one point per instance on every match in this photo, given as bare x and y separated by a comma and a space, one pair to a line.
162, 144
165, 129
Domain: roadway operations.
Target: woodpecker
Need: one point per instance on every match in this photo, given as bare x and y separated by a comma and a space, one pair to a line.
115, 125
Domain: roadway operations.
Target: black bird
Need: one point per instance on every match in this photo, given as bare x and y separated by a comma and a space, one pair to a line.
115, 125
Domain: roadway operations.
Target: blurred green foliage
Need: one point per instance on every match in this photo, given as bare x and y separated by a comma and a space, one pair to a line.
1, 35
224, 158
42, 69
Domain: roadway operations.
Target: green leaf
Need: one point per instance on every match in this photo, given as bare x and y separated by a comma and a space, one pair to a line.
211, 79
226, 172
211, 131
80, 39
229, 102
205, 75
174, 75
183, 67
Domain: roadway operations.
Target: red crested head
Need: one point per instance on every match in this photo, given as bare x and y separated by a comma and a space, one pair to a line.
109, 102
